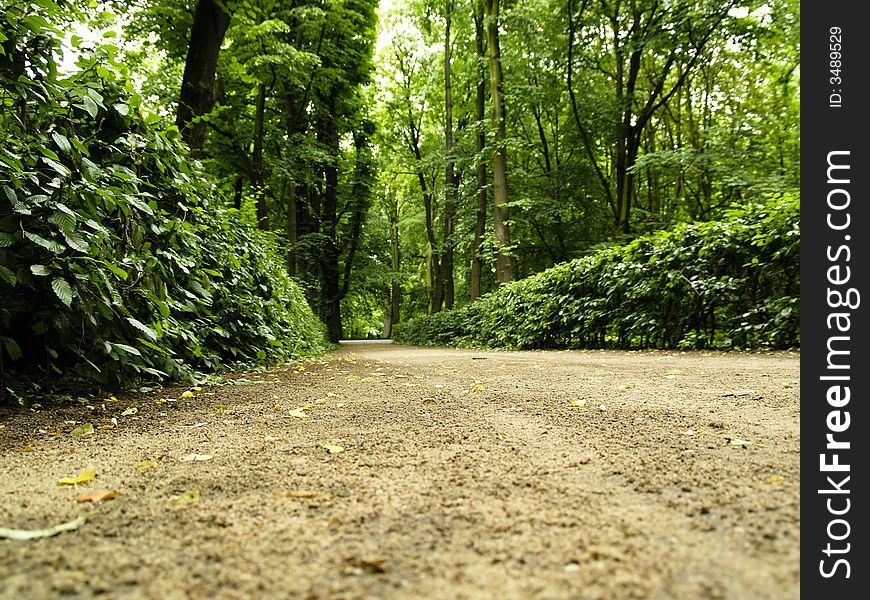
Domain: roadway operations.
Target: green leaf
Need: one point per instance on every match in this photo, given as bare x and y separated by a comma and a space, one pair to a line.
117, 270
77, 242
7, 239
10, 193
8, 276
11, 347
63, 220
62, 290
89, 105
62, 170
62, 142
127, 349
40, 270
143, 328
49, 245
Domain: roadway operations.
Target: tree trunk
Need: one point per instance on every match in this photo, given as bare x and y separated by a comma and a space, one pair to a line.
259, 182
449, 177
394, 291
292, 228
210, 24
480, 110
503, 264
330, 299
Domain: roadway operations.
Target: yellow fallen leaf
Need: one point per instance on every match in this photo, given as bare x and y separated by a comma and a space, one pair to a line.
27, 449
332, 448
220, 409
302, 494
187, 498
629, 386
478, 386
277, 407
775, 479
130, 411
196, 388
196, 458
146, 464
686, 431
97, 496
578, 403
299, 413
320, 401
187, 394
107, 427
87, 474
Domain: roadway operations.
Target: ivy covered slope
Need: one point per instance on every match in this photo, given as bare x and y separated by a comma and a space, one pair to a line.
721, 284
114, 266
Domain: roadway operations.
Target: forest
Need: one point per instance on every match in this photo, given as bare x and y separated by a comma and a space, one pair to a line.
192, 186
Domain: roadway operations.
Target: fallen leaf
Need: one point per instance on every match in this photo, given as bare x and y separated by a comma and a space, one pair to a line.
130, 411
82, 430
428, 400
629, 386
146, 464
107, 427
187, 498
331, 395
196, 388
738, 442
98, 496
299, 413
32, 534
478, 386
775, 479
27, 449
578, 403
196, 458
686, 431
277, 407
320, 401
87, 474
302, 494
332, 448
220, 409
187, 394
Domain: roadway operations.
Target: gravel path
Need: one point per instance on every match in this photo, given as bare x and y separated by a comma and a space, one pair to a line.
383, 471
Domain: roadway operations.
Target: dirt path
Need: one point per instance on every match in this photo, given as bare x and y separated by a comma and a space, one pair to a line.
463, 475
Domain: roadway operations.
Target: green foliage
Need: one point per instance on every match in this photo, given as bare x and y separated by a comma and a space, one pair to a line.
720, 284
113, 265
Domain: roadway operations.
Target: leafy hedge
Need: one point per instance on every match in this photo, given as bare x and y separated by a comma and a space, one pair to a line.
723, 284
113, 265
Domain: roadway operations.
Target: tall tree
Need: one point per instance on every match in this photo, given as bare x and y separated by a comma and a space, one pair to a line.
210, 23
480, 138
503, 264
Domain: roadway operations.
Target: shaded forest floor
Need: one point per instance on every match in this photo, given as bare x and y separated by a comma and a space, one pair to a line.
385, 471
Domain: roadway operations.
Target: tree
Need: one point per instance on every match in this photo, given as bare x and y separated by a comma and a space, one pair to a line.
503, 263
210, 23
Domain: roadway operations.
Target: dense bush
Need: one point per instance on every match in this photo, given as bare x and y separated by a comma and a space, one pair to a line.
724, 284
113, 264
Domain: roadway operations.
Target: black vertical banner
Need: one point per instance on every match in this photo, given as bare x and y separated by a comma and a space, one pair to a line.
835, 370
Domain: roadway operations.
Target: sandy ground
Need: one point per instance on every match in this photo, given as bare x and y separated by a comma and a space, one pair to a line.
384, 471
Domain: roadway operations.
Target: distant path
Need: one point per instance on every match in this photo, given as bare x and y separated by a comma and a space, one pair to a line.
464, 474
